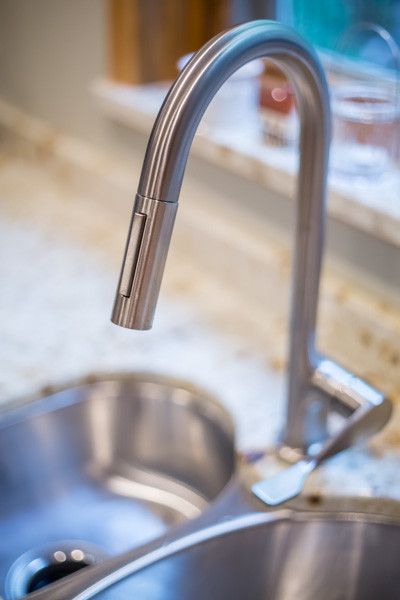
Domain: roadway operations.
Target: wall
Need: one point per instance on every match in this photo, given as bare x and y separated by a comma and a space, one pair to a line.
50, 51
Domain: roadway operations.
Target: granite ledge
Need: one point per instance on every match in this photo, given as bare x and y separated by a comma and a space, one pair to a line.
370, 206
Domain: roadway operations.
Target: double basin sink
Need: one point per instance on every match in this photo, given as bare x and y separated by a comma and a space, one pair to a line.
129, 487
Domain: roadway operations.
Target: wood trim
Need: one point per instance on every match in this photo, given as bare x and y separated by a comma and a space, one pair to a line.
146, 37
124, 41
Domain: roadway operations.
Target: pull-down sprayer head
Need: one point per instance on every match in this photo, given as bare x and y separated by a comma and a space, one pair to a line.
156, 201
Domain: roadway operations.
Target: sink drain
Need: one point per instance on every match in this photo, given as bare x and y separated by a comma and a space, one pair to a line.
40, 567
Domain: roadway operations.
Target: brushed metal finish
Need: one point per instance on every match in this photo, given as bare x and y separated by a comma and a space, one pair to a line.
185, 104
310, 387
114, 462
341, 557
240, 551
286, 484
368, 412
143, 265
132, 253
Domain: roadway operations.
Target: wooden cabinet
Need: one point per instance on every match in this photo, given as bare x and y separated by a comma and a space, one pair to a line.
148, 36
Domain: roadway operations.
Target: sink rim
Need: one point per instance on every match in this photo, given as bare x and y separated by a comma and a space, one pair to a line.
42, 401
195, 399
248, 510
363, 507
179, 397
352, 509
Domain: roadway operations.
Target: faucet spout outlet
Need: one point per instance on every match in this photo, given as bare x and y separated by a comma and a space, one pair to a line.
146, 251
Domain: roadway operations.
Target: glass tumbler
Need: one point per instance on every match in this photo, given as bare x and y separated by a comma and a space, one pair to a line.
366, 120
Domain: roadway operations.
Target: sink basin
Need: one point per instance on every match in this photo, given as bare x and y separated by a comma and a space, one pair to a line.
112, 461
311, 549
281, 555
116, 462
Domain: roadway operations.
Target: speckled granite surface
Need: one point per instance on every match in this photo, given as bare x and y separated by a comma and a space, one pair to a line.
59, 269
61, 245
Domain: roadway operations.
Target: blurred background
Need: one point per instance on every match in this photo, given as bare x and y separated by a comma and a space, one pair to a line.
52, 50
81, 82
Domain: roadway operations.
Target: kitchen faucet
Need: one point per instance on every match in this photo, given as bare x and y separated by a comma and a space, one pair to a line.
316, 384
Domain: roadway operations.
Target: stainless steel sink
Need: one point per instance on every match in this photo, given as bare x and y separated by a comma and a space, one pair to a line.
340, 550
113, 462
116, 462
286, 555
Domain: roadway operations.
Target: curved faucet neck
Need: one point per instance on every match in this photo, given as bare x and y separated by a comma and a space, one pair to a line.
177, 121
163, 170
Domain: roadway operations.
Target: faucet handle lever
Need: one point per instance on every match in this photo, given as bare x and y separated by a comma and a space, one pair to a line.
370, 411
349, 390
367, 408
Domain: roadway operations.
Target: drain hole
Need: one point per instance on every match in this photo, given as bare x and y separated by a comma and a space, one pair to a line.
53, 573
36, 569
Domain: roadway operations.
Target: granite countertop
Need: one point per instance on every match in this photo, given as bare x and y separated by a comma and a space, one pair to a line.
61, 257
372, 205
61, 243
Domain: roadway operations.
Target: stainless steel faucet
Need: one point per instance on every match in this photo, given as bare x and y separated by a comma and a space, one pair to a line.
315, 383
